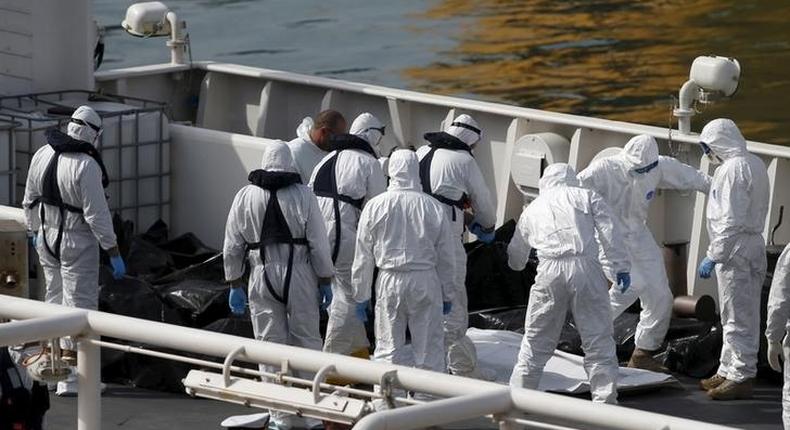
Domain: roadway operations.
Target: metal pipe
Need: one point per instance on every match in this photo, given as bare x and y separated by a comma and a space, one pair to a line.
439, 412
59, 325
319, 377
89, 381
688, 93
535, 403
228, 363
176, 42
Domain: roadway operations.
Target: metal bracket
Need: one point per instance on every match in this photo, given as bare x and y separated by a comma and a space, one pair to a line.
226, 365
388, 379
319, 378
285, 370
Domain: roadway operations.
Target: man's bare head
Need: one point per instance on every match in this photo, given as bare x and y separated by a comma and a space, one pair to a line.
328, 123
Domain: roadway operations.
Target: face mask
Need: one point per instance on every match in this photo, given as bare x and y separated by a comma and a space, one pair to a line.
712, 157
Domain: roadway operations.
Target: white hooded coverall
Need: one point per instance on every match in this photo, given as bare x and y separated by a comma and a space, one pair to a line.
297, 322
628, 195
405, 234
778, 323
737, 207
454, 173
74, 280
358, 175
564, 225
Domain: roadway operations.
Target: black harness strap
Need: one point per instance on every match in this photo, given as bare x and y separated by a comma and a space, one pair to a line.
325, 183
62, 143
441, 140
275, 228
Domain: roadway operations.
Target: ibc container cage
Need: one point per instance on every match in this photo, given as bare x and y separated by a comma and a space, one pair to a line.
134, 144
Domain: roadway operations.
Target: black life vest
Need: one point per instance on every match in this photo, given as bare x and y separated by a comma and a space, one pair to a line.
325, 183
441, 140
20, 408
275, 228
50, 191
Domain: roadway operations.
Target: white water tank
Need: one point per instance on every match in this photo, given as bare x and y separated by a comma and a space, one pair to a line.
531, 154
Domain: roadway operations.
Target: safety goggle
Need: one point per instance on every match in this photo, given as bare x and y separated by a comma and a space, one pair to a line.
381, 129
78, 121
647, 168
705, 148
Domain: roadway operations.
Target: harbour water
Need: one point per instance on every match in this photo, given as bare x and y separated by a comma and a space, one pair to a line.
614, 59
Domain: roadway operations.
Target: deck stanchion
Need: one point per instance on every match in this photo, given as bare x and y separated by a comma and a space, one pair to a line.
89, 381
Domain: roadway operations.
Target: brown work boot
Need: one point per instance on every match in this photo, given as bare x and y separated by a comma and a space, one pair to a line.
642, 359
711, 383
729, 390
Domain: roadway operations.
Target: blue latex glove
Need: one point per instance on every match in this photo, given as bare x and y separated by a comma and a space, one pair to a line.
362, 311
486, 237
326, 295
118, 267
624, 281
237, 300
447, 307
706, 268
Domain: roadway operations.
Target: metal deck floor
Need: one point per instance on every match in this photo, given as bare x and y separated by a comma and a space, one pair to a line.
136, 409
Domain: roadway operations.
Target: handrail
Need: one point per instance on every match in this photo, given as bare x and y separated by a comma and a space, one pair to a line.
47, 327
535, 403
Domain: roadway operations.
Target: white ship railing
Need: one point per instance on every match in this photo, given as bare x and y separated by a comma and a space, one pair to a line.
464, 398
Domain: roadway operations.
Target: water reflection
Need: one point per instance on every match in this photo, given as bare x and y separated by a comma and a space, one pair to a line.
615, 59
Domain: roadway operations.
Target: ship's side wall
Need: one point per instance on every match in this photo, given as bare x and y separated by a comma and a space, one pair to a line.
246, 106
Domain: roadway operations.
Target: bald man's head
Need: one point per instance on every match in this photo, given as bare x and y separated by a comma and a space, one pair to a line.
327, 123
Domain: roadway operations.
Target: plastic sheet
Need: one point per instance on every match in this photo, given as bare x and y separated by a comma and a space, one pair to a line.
564, 373
147, 261
187, 250
490, 283
512, 319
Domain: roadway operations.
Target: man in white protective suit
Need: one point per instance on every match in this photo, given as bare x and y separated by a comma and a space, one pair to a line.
69, 220
777, 326
312, 140
405, 234
348, 177
276, 225
450, 174
628, 182
737, 207
567, 224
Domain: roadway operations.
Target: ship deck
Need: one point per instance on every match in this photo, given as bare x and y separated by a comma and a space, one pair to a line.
136, 409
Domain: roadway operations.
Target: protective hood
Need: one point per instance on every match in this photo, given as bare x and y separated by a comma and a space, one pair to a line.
367, 127
465, 128
303, 130
556, 175
277, 158
724, 138
404, 171
640, 151
85, 125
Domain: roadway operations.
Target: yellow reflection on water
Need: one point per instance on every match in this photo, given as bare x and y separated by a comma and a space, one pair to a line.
615, 59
